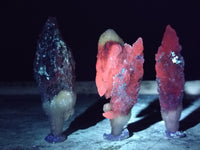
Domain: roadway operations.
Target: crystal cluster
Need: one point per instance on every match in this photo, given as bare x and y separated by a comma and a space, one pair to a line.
119, 71
54, 66
169, 71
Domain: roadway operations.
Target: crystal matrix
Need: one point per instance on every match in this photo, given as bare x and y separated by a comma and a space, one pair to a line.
169, 71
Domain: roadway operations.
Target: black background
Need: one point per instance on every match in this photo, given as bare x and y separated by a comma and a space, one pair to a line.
82, 22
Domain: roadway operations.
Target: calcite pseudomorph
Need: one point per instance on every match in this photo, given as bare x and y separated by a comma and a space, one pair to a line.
169, 71
119, 72
54, 72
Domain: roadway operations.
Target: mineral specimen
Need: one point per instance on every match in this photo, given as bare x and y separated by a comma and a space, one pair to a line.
169, 71
170, 78
119, 72
54, 72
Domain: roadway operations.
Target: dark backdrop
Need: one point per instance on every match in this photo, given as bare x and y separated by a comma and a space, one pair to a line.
82, 22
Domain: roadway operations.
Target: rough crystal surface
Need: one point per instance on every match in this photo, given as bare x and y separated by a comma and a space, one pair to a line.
119, 72
54, 66
170, 71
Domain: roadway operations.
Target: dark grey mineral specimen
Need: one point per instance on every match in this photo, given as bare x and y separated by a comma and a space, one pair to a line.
54, 66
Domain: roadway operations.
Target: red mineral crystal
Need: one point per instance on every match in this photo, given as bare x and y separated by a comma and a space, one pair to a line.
119, 72
169, 71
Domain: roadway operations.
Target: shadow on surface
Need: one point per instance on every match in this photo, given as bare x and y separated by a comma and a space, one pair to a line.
87, 119
189, 99
194, 117
191, 120
150, 115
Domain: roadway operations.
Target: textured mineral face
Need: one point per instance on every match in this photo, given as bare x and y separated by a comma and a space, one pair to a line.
169, 71
54, 72
54, 66
119, 70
